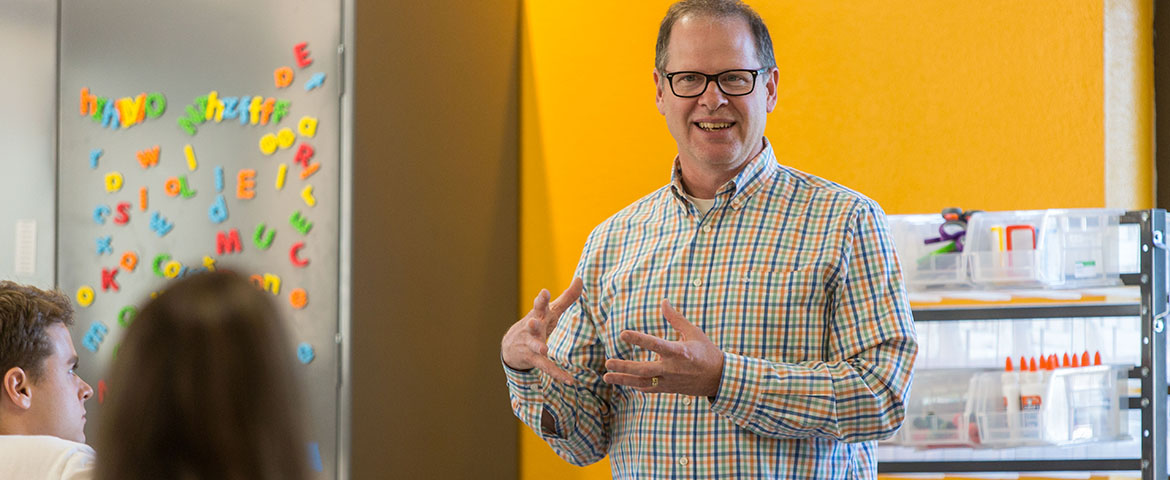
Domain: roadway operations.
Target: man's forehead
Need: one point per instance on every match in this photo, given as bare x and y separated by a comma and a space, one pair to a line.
706, 39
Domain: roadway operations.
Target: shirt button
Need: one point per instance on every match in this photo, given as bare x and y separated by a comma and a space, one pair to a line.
697, 282
684, 461
686, 401
706, 229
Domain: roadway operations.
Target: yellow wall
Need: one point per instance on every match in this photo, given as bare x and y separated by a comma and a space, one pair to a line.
995, 104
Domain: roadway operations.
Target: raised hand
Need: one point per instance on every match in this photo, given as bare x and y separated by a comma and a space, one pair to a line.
693, 365
525, 346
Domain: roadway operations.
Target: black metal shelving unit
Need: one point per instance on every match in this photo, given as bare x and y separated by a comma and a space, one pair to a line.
1151, 461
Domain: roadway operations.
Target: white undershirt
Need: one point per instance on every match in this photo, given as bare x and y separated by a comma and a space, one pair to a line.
703, 204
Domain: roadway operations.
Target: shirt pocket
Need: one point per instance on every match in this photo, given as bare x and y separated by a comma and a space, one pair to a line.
779, 315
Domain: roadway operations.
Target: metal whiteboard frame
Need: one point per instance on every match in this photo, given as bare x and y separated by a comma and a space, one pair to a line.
345, 248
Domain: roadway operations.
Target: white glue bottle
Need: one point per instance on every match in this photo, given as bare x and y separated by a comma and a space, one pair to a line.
1031, 395
1009, 382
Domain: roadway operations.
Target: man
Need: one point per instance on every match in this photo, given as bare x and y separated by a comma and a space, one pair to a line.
746, 320
42, 400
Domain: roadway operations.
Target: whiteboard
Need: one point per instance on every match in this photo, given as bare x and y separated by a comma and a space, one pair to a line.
169, 61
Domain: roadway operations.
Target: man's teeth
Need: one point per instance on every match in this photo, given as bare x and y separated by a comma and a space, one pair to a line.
713, 126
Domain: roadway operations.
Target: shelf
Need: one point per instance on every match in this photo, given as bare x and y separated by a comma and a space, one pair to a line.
1104, 464
1027, 312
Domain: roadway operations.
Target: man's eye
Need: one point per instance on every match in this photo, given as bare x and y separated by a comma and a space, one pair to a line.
688, 78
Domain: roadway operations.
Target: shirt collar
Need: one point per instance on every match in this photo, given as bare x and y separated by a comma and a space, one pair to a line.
740, 188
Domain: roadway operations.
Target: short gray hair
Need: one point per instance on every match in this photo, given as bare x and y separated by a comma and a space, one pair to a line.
716, 9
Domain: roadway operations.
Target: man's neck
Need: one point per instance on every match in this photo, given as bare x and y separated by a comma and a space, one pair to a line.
702, 181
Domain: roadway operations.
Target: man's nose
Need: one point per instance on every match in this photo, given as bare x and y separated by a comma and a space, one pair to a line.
712, 97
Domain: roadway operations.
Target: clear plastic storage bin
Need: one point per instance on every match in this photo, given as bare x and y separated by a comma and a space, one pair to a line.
922, 267
1080, 405
938, 414
1049, 248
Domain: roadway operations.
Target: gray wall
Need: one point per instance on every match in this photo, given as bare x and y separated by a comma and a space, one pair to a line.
28, 91
435, 237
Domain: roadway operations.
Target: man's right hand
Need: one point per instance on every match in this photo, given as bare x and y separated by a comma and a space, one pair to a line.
525, 346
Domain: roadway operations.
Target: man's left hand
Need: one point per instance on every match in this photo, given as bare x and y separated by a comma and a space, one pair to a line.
693, 365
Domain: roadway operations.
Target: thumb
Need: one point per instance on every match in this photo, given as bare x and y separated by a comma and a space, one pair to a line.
680, 323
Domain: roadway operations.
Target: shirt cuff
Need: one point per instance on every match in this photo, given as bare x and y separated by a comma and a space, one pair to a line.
521, 379
740, 389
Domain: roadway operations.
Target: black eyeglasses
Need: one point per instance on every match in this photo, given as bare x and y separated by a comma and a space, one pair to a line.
732, 83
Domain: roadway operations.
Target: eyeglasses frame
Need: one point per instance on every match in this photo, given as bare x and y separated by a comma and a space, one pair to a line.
714, 78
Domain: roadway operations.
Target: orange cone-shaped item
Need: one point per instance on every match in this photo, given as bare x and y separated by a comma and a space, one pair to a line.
1096, 358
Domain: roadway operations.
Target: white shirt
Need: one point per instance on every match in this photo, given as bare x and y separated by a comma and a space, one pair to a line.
35, 457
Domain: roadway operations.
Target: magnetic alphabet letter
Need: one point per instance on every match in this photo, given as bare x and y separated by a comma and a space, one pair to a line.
100, 213
281, 172
218, 211
93, 157
109, 279
301, 223
158, 261
305, 353
285, 138
209, 263
307, 126
103, 245
307, 195
247, 181
304, 154
298, 298
218, 179
142, 199
94, 337
268, 144
160, 225
263, 238
192, 164
149, 157
315, 81
302, 53
127, 315
228, 242
113, 182
123, 216
272, 283
292, 255
129, 261
85, 296
172, 269
283, 77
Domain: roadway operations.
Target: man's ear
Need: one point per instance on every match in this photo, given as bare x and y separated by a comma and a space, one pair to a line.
17, 388
772, 83
658, 86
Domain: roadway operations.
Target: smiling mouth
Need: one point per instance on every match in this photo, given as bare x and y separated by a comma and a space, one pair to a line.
713, 127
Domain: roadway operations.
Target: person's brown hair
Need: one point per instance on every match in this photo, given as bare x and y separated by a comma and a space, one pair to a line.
203, 387
26, 313
716, 9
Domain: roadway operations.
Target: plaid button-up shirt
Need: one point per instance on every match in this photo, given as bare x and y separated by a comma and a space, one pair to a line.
792, 276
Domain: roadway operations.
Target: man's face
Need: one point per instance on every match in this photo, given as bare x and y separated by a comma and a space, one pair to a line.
714, 130
59, 394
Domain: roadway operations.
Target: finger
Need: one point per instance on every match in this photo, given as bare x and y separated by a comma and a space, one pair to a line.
562, 303
641, 369
649, 342
679, 322
553, 370
644, 384
540, 303
567, 297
